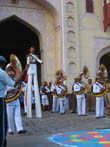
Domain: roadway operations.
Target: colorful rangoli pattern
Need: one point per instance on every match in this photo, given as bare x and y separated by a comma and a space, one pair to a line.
96, 138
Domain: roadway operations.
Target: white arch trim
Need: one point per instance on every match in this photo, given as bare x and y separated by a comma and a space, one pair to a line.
100, 54
17, 18
27, 24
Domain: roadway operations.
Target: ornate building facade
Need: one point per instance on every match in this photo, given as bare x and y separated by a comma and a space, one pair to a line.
68, 34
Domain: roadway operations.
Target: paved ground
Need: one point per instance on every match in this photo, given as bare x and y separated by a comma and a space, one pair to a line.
39, 131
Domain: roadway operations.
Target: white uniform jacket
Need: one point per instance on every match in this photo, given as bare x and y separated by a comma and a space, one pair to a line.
97, 87
77, 87
31, 60
46, 89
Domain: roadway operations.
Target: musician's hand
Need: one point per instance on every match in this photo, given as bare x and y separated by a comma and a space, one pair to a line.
82, 88
102, 89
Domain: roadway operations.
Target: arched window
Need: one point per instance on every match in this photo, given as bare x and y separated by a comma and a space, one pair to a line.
71, 68
69, 7
70, 21
71, 36
71, 52
89, 6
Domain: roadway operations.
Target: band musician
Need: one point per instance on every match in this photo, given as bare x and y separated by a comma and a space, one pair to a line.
13, 105
98, 89
44, 90
61, 92
80, 96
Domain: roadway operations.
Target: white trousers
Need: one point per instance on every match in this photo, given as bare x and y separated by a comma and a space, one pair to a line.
14, 116
54, 105
45, 101
62, 102
37, 96
81, 105
99, 106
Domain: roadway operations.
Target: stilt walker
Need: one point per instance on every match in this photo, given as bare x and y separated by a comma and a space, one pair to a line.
32, 60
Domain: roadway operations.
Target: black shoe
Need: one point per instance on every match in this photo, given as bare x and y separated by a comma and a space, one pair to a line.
22, 132
73, 112
62, 113
97, 117
11, 133
90, 110
24, 113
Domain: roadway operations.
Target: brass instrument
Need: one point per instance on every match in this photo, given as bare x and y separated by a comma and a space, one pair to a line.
85, 73
60, 75
53, 92
80, 92
63, 92
43, 89
13, 94
103, 91
14, 65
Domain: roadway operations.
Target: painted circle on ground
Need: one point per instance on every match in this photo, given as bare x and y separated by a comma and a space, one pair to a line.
94, 138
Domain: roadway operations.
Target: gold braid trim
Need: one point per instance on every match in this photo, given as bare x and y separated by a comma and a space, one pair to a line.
102, 93
14, 98
79, 92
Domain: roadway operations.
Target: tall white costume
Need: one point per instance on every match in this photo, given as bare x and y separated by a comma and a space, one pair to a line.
24, 89
14, 114
99, 100
81, 101
32, 59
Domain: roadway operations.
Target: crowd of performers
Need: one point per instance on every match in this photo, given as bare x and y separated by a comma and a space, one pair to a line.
92, 96
86, 95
